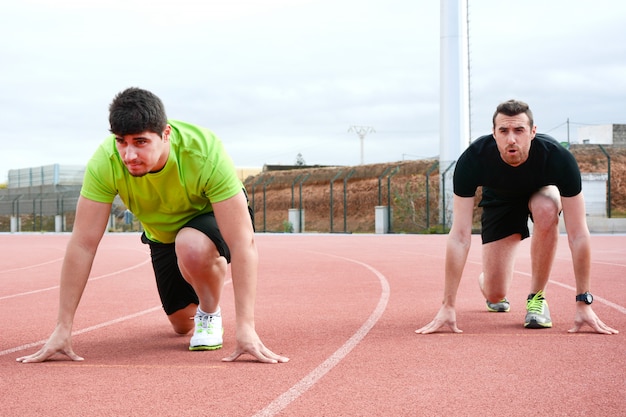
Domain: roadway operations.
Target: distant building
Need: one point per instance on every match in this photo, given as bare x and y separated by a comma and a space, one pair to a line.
613, 134
268, 168
69, 175
244, 172
40, 198
48, 175
44, 199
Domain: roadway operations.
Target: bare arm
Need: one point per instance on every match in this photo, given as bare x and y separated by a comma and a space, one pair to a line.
236, 228
579, 239
457, 248
234, 222
89, 225
580, 246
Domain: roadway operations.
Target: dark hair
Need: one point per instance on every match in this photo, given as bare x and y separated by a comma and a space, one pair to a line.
134, 111
513, 108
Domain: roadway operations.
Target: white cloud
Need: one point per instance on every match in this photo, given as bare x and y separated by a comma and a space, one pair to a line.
274, 78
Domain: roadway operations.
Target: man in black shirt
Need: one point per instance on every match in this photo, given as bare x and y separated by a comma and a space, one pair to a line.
522, 174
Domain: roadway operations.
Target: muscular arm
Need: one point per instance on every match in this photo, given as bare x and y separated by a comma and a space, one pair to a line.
580, 247
89, 224
457, 248
234, 222
578, 239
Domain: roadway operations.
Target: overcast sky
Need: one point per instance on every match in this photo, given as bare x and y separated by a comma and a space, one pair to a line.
274, 78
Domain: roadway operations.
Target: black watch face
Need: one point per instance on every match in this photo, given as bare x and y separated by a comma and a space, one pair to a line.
586, 297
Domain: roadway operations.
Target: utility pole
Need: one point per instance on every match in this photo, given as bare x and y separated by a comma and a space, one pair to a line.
361, 131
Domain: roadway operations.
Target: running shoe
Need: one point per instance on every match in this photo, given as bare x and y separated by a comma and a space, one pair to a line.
501, 306
207, 334
537, 312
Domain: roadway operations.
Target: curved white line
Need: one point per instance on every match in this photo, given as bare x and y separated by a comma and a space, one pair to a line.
596, 298
130, 268
85, 330
5, 271
91, 328
314, 376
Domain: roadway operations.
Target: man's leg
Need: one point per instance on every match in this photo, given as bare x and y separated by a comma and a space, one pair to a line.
182, 320
177, 296
545, 206
202, 266
498, 263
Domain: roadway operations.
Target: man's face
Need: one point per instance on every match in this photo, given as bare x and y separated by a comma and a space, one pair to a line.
513, 136
144, 152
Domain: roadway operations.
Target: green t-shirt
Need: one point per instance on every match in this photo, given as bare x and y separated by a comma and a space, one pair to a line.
198, 172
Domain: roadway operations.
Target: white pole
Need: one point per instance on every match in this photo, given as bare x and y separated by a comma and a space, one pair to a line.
454, 97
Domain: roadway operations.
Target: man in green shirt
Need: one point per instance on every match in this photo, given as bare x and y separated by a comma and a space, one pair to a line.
177, 179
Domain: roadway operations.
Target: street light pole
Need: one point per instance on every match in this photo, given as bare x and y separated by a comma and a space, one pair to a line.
362, 131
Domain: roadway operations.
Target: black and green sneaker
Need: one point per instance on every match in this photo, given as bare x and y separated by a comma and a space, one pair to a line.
501, 306
537, 312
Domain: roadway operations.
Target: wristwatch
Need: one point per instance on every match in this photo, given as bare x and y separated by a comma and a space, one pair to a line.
585, 297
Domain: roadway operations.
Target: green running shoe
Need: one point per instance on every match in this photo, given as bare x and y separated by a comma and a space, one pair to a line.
501, 306
537, 312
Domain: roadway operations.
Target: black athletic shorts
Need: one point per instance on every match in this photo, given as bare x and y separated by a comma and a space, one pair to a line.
174, 291
505, 219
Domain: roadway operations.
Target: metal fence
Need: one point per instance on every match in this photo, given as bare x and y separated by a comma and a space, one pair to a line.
44, 199
387, 198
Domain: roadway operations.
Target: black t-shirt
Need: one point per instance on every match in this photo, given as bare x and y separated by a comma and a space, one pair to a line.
548, 163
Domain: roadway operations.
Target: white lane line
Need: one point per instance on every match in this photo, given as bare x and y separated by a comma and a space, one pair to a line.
91, 328
85, 330
314, 376
6, 271
90, 279
596, 298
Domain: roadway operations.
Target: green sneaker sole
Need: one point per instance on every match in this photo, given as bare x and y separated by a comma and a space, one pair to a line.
498, 310
533, 324
197, 348
499, 307
206, 347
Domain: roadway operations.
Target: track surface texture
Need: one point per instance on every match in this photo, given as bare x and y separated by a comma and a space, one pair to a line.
343, 308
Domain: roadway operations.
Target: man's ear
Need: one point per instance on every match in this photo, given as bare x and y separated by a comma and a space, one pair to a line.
166, 133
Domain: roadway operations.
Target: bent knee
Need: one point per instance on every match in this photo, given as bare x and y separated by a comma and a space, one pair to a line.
495, 297
194, 248
545, 210
182, 328
494, 290
182, 320
494, 293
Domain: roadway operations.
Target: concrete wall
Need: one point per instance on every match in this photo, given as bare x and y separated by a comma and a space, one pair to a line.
613, 134
596, 224
594, 190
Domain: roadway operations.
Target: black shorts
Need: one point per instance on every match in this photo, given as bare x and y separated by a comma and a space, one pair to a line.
505, 219
174, 291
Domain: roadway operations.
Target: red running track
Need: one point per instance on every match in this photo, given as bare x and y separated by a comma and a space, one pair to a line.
343, 308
